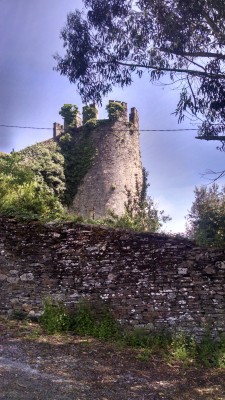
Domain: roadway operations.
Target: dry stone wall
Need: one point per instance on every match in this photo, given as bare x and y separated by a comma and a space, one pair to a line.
147, 280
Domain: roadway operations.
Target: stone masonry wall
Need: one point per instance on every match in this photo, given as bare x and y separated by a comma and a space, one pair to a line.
116, 171
147, 280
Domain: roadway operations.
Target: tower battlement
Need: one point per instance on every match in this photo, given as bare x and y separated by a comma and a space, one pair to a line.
117, 111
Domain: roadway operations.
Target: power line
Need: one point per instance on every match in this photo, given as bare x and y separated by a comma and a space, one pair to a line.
22, 127
140, 130
166, 130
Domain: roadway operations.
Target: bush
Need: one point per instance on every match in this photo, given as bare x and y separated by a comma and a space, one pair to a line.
23, 195
98, 323
183, 348
47, 163
55, 318
211, 352
142, 338
30, 200
84, 320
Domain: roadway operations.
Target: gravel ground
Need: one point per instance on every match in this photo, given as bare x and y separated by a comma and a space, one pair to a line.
34, 366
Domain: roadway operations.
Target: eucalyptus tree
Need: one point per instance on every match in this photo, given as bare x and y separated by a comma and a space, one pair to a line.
110, 41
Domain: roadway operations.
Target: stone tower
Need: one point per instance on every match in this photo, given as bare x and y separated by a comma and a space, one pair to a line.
116, 171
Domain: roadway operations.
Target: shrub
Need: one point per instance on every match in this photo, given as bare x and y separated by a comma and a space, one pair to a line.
84, 321
142, 338
211, 352
183, 348
96, 322
55, 318
47, 163
30, 200
115, 110
23, 195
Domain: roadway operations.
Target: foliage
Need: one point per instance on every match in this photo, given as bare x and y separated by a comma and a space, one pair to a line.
24, 196
107, 327
99, 323
89, 113
142, 338
84, 320
183, 348
182, 39
141, 213
206, 219
211, 352
90, 124
55, 318
178, 347
47, 163
115, 110
12, 165
96, 322
69, 113
145, 220
78, 158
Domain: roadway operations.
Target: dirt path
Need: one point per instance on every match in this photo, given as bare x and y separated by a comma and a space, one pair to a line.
39, 367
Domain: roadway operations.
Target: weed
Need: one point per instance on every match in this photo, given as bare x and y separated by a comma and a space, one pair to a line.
34, 334
211, 352
143, 354
183, 348
55, 318
84, 321
99, 323
140, 337
107, 328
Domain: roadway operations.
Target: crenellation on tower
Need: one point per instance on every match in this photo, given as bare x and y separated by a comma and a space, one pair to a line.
57, 130
133, 117
89, 112
117, 110
77, 121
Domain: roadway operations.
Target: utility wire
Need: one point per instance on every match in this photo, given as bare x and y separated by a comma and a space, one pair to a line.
166, 130
22, 127
140, 130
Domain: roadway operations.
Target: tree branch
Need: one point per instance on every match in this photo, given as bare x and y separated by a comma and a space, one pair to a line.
212, 25
179, 70
189, 84
220, 138
203, 54
220, 174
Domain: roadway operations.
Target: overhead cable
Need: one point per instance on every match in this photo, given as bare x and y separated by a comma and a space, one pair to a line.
140, 130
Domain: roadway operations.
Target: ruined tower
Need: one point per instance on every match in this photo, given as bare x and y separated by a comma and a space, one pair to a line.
115, 173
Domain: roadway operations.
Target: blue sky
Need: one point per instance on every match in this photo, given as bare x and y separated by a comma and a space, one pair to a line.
32, 95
